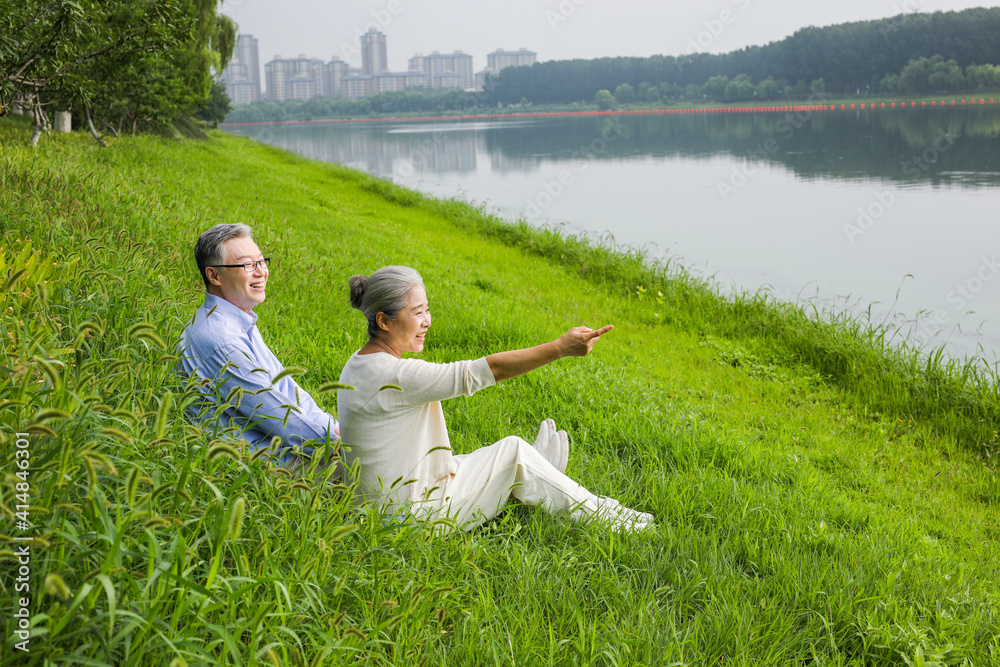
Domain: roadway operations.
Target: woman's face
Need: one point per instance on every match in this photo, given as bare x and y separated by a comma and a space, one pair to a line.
406, 333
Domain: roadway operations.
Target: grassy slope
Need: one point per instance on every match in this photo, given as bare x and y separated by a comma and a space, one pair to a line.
803, 518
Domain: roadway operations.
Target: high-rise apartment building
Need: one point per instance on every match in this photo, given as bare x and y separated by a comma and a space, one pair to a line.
443, 70
295, 78
242, 75
336, 71
374, 54
500, 59
357, 86
317, 72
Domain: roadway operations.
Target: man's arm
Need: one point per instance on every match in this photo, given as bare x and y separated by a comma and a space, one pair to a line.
283, 409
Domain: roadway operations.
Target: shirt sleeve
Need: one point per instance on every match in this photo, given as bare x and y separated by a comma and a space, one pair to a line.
284, 410
425, 382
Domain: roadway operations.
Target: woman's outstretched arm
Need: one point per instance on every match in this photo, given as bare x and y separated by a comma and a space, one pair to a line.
577, 342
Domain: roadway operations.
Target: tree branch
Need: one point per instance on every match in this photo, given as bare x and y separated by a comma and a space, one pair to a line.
41, 120
46, 43
94, 54
93, 130
16, 76
33, 19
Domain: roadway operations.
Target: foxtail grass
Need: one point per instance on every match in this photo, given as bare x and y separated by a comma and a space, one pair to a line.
821, 496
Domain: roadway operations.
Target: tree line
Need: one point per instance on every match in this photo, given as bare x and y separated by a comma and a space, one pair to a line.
920, 76
119, 65
403, 101
931, 75
850, 58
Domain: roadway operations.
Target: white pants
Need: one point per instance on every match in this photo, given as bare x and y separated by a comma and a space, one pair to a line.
511, 468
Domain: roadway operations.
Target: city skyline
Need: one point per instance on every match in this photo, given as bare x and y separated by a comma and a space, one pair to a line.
303, 78
556, 29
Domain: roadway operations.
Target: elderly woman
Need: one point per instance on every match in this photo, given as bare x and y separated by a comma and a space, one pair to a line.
400, 438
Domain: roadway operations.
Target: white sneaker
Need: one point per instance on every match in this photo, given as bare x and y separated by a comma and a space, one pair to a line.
614, 510
553, 445
545, 430
560, 443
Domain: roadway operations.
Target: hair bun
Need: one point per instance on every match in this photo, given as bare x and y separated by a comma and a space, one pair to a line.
357, 284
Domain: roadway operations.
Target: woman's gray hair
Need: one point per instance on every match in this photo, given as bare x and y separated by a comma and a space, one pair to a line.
208, 249
384, 291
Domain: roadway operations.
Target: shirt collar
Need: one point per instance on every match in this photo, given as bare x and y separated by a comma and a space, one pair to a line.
246, 321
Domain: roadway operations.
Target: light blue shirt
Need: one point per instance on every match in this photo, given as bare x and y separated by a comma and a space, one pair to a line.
222, 345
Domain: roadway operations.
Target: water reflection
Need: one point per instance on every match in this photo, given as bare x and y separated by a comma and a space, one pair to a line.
375, 149
890, 207
936, 146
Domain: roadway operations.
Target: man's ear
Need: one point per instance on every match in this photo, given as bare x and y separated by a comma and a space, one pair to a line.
213, 275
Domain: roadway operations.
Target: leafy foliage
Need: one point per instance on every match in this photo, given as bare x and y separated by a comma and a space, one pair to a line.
123, 64
604, 100
625, 93
217, 106
924, 75
409, 101
849, 57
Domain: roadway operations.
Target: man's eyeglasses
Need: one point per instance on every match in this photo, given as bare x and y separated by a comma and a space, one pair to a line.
249, 267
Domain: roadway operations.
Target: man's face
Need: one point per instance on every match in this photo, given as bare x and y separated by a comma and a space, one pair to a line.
243, 290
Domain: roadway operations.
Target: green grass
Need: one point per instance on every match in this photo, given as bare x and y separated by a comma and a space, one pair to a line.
822, 498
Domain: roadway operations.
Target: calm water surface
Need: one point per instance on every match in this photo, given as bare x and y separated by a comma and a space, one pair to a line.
888, 211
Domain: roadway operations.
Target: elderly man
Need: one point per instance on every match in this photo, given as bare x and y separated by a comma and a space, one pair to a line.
223, 347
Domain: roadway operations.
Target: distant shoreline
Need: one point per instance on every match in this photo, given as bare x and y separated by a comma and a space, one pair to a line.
831, 105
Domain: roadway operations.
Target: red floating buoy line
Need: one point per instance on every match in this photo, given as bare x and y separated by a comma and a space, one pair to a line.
786, 108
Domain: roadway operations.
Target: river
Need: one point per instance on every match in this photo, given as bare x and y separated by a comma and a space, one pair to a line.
892, 212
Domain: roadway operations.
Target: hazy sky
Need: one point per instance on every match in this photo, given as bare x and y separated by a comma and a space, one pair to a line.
555, 29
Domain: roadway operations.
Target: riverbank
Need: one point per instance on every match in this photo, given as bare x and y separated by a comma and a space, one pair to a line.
817, 103
820, 497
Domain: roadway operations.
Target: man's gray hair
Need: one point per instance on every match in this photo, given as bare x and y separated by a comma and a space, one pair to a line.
384, 291
208, 249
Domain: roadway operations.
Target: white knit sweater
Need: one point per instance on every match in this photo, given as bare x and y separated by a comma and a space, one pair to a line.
400, 437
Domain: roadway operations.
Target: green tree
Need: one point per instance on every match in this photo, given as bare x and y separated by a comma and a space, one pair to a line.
604, 100
889, 83
983, 76
740, 89
768, 89
453, 99
693, 92
48, 48
317, 107
946, 75
246, 113
625, 93
125, 63
914, 78
210, 47
715, 87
